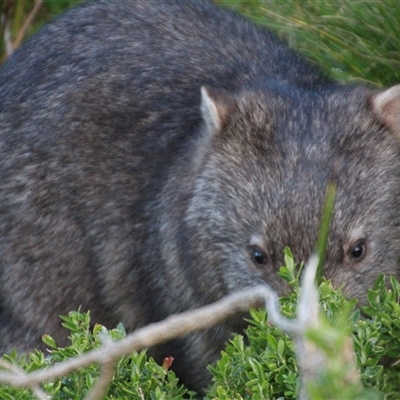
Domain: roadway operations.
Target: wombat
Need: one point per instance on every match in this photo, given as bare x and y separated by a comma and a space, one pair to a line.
158, 155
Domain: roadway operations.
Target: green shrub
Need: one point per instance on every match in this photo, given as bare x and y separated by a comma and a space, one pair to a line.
261, 365
136, 377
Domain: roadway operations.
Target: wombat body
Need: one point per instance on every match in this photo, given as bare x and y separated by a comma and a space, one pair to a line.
128, 190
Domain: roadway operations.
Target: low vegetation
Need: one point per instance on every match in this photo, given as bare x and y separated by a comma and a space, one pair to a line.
258, 365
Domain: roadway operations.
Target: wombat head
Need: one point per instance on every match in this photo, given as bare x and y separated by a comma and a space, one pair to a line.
266, 159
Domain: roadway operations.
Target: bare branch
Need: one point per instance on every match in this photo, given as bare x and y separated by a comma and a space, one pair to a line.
5, 27
26, 25
153, 334
40, 394
107, 372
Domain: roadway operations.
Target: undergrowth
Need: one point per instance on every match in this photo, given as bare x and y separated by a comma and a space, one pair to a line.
258, 365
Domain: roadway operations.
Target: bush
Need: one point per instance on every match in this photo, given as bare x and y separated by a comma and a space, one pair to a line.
260, 365
136, 377
265, 367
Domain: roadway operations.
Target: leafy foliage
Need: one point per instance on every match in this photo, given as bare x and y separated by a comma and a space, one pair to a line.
263, 365
260, 365
136, 377
266, 367
377, 338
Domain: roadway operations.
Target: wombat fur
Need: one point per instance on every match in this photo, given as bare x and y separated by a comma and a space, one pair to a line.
157, 155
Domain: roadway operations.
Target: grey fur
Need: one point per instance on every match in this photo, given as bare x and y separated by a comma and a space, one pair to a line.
117, 197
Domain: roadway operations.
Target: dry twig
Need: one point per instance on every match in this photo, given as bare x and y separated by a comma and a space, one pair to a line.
10, 44
27, 23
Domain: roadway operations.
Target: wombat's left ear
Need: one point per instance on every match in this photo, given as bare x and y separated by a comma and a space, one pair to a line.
216, 107
387, 105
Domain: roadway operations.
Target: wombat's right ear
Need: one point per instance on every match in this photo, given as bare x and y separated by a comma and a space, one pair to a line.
387, 105
216, 106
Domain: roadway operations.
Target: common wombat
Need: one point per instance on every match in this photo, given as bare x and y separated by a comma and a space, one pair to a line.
128, 190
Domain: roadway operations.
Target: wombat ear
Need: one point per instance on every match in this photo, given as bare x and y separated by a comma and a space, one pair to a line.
387, 106
215, 108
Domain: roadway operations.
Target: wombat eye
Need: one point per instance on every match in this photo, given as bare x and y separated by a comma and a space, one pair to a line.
358, 251
258, 256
